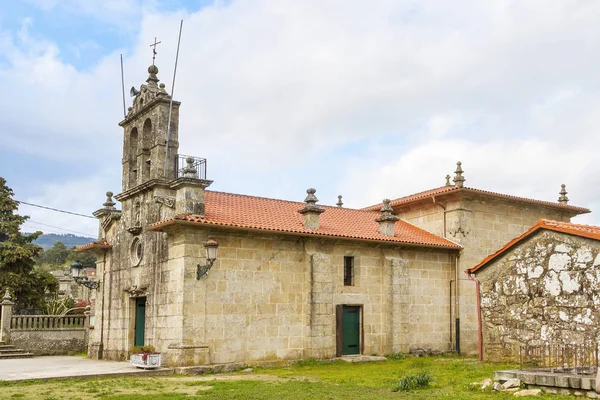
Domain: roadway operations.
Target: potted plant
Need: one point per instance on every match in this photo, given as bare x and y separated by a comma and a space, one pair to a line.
144, 357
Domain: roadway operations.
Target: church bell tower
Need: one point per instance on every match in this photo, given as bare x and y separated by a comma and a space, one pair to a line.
146, 156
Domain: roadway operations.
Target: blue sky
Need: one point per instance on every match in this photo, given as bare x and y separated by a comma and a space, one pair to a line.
364, 99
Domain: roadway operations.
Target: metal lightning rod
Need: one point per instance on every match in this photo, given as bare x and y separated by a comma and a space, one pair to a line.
123, 87
171, 103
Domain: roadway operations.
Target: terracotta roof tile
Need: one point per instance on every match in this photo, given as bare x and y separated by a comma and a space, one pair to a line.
450, 189
587, 231
261, 213
98, 244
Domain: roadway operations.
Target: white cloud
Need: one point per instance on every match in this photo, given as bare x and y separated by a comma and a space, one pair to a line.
528, 168
269, 87
82, 196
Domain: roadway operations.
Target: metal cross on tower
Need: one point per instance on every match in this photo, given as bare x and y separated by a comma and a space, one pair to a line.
154, 49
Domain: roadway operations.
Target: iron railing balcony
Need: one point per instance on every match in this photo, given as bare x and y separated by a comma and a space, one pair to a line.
189, 166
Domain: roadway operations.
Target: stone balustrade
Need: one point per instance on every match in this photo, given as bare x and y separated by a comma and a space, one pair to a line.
47, 322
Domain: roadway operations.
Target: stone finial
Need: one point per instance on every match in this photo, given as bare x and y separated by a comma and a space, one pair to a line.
152, 78
563, 199
311, 211
311, 199
162, 90
109, 204
448, 180
190, 171
387, 220
459, 180
339, 203
6, 297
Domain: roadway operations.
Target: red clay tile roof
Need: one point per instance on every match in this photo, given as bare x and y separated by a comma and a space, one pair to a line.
453, 189
98, 244
587, 231
249, 212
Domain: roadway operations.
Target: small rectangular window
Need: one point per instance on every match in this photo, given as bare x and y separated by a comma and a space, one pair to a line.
348, 271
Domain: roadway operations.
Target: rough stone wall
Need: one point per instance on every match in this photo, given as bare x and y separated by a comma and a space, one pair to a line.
544, 290
123, 279
481, 225
48, 342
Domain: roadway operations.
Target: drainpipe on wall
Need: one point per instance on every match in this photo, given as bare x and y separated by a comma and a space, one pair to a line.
450, 303
456, 303
479, 327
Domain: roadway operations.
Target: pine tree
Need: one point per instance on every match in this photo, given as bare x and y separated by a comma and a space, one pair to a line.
27, 286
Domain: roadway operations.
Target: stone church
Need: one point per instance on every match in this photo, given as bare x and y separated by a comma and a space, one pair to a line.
290, 280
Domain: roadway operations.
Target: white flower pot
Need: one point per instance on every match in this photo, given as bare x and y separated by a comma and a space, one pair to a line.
147, 361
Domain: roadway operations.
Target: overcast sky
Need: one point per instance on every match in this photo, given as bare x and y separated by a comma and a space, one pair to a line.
368, 99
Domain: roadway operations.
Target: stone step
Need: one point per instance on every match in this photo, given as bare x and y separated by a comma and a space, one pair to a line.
12, 350
4, 356
6, 346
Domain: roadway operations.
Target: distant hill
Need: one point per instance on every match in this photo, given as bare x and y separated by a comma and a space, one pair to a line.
48, 239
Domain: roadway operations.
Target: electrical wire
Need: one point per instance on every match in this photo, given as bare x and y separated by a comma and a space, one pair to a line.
58, 227
55, 209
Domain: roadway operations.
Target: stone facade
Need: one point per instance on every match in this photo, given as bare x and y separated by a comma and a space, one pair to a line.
481, 224
545, 289
273, 297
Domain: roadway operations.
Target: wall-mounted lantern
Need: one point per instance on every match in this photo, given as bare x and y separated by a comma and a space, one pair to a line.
212, 248
76, 269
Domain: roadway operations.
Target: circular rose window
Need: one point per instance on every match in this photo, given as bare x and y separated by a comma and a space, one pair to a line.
137, 251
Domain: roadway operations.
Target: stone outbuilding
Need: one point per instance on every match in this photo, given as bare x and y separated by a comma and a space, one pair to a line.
542, 287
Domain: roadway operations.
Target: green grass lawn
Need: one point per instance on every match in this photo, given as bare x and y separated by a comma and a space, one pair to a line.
307, 380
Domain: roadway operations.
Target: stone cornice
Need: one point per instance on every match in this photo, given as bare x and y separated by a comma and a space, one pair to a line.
152, 183
150, 104
175, 183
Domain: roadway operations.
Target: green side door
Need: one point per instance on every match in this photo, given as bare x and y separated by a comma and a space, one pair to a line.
140, 321
351, 330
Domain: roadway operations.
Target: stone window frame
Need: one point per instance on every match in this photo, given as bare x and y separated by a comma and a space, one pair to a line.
136, 252
349, 270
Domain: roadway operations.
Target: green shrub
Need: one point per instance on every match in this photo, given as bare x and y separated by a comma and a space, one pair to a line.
142, 349
413, 381
396, 356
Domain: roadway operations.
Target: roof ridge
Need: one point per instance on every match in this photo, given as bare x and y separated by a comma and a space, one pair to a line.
554, 222
288, 201
591, 232
411, 195
442, 190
